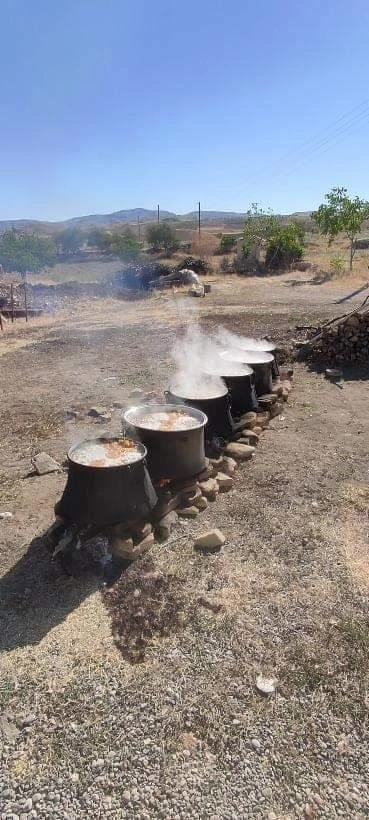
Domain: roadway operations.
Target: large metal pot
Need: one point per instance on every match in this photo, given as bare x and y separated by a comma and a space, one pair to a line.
242, 392
217, 408
257, 345
172, 453
104, 494
261, 364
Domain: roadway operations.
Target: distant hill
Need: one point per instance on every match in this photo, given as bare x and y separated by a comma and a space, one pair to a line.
129, 216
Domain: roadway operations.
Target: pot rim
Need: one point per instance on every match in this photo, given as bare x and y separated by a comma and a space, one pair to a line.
249, 357
198, 398
102, 440
200, 417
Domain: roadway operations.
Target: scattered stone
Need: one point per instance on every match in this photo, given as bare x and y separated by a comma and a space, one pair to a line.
229, 465
43, 464
29, 720
5, 515
266, 401
277, 387
207, 473
258, 431
97, 412
141, 531
225, 482
119, 404
138, 549
105, 417
71, 414
285, 373
263, 419
190, 498
287, 385
166, 504
120, 547
210, 541
276, 409
248, 420
165, 525
266, 686
188, 512
207, 603
242, 452
201, 503
249, 437
255, 743
285, 394
209, 489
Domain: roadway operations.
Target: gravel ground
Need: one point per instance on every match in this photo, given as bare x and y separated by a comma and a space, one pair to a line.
186, 734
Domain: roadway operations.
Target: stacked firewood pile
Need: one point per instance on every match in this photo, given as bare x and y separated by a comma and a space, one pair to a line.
344, 340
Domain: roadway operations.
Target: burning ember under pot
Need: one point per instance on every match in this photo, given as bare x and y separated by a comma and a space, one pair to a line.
174, 437
108, 483
213, 401
261, 364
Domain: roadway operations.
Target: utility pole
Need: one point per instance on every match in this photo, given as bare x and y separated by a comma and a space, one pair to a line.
158, 213
199, 218
139, 228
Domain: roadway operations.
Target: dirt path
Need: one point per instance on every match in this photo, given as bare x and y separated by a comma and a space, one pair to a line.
186, 732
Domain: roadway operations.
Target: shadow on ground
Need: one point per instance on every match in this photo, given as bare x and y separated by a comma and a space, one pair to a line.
38, 593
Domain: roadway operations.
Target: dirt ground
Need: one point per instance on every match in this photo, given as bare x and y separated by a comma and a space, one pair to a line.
292, 578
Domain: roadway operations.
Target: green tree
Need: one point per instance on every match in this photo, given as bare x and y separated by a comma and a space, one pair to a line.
26, 253
162, 237
227, 242
259, 225
284, 246
341, 214
98, 238
125, 245
70, 240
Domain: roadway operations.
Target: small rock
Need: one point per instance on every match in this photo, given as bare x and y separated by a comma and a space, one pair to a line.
209, 489
5, 515
207, 603
225, 482
165, 505
190, 498
276, 409
165, 525
104, 417
43, 464
258, 431
207, 473
255, 743
71, 414
188, 512
201, 503
248, 419
263, 419
27, 805
28, 720
141, 531
229, 465
286, 385
285, 373
136, 393
210, 541
284, 394
266, 686
141, 548
267, 400
37, 797
126, 796
97, 412
242, 452
249, 437
277, 388
121, 547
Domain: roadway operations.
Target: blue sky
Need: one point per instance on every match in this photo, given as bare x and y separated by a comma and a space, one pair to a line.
110, 105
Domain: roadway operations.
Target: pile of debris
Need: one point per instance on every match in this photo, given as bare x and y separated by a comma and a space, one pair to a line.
342, 341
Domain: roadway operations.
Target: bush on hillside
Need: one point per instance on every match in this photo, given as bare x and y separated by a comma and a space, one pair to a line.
199, 266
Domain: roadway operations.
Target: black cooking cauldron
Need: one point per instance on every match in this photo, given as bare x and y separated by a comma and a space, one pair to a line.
261, 363
217, 408
171, 453
106, 495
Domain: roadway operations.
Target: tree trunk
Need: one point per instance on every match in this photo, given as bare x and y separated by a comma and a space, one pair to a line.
352, 251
